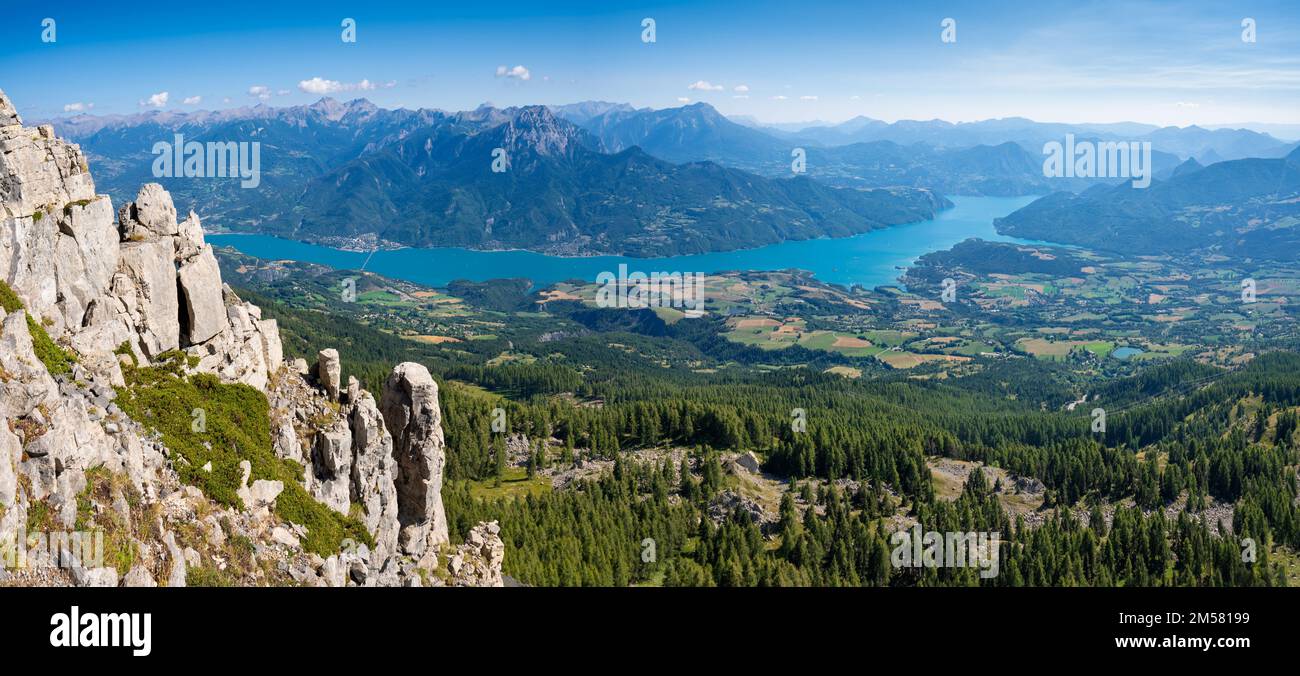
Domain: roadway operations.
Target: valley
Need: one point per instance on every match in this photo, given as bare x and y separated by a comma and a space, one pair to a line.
1032, 341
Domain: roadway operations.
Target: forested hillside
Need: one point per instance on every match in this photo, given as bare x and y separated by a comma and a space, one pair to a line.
1193, 460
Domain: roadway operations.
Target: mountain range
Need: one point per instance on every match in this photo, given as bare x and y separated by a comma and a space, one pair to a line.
599, 177
427, 178
1192, 141
1241, 208
993, 157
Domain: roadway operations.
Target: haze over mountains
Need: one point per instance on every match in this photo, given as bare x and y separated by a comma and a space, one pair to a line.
425, 178
602, 177
1246, 208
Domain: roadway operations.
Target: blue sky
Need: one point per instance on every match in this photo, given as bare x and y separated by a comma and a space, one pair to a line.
1159, 62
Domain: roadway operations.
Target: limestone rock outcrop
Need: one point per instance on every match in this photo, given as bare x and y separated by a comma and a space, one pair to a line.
331, 479
477, 562
410, 408
147, 280
200, 289
328, 371
374, 480
148, 284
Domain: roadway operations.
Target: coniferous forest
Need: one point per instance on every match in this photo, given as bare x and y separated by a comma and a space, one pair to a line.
1140, 504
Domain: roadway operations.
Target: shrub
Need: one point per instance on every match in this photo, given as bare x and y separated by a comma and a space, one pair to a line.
56, 359
8, 299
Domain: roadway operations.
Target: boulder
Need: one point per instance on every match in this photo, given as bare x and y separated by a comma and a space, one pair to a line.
749, 462
332, 467
328, 372
285, 442
151, 215
477, 562
139, 576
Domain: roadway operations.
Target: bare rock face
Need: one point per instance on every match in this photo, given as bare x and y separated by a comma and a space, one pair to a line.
328, 372
11, 451
374, 473
152, 276
477, 562
331, 467
285, 441
247, 350
410, 408
152, 284
200, 287
27, 384
152, 211
147, 280
8, 116
36, 169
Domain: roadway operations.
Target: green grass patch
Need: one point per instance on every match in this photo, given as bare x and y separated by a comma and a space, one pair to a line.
8, 299
56, 359
235, 426
514, 483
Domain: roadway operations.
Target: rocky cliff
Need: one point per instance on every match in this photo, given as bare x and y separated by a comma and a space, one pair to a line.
106, 314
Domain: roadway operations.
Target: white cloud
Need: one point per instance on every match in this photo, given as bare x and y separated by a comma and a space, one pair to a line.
262, 92
1187, 104
741, 89
683, 99
77, 107
282, 92
740, 96
704, 86
807, 98
855, 97
193, 100
780, 97
226, 100
156, 101
516, 73
319, 86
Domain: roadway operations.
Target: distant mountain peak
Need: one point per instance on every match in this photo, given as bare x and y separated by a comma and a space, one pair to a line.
1187, 167
537, 128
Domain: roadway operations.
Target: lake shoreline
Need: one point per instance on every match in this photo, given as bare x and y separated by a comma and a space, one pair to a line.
871, 259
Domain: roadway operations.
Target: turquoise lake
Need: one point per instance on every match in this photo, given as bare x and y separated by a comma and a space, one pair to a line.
872, 259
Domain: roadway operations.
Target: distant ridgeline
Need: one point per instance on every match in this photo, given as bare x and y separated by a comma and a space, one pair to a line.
1242, 208
488, 179
978, 256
